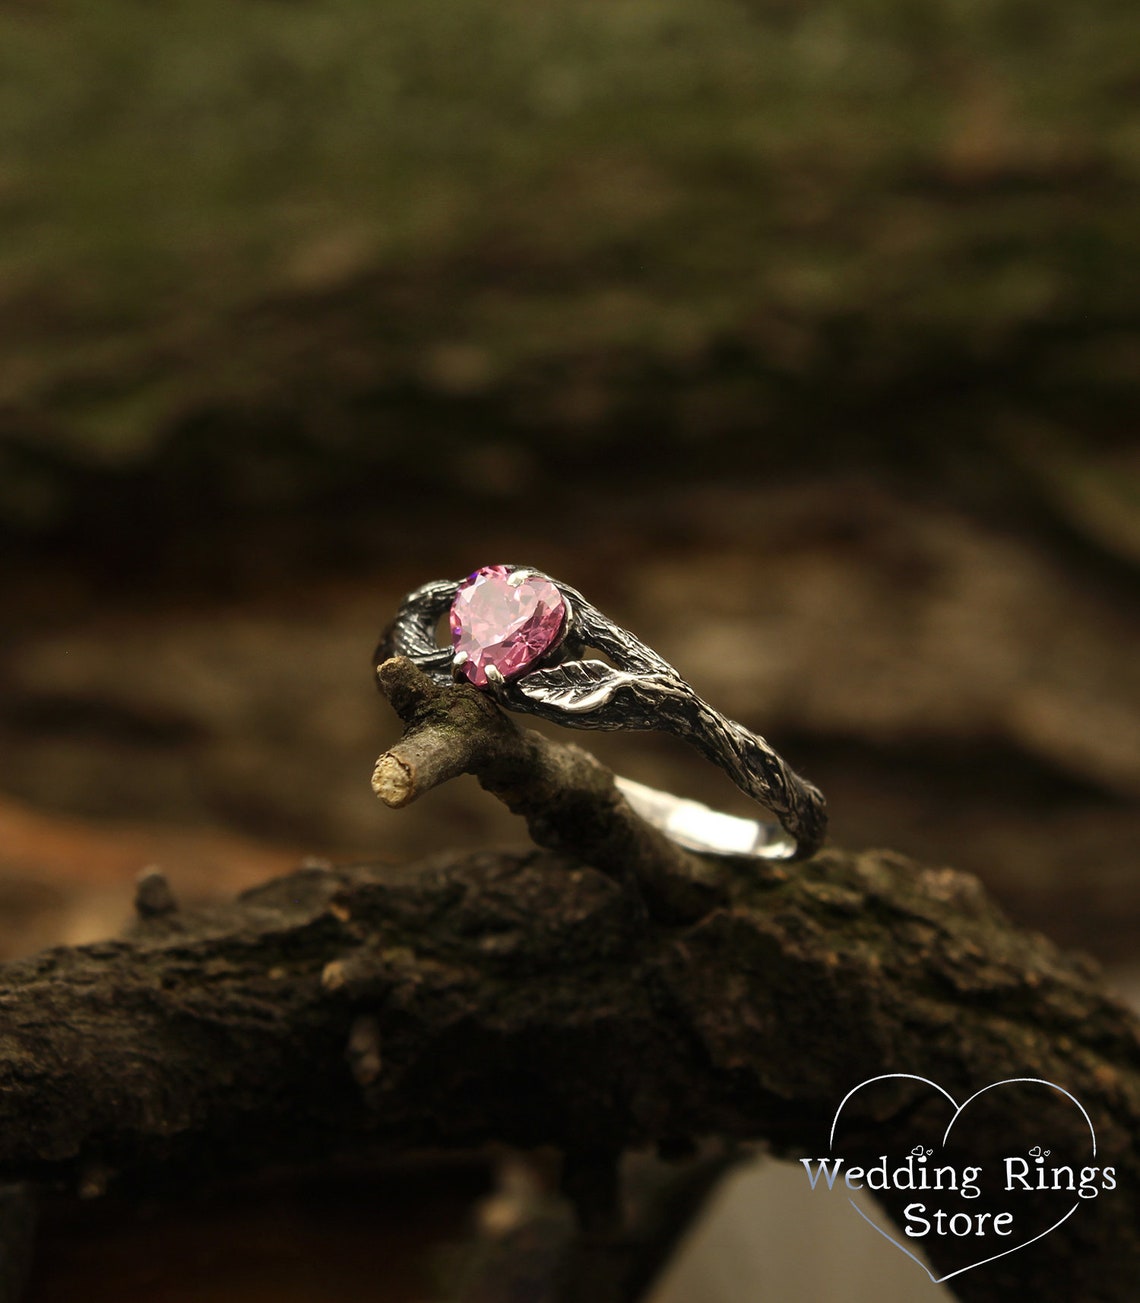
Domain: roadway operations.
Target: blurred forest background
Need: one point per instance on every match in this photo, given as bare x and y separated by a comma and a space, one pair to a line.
801, 335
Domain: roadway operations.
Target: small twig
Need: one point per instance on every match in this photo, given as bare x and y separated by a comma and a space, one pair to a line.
566, 796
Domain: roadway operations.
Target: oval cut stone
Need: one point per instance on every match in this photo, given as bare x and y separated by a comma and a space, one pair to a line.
509, 626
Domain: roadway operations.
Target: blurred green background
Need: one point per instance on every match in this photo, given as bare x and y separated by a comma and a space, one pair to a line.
263, 251
803, 337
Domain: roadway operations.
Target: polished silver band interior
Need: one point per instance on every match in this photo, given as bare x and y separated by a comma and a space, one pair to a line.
637, 690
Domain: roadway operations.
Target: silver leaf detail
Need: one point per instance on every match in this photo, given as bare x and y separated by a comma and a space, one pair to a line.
577, 686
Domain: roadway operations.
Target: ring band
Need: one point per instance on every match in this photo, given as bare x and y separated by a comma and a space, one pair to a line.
520, 636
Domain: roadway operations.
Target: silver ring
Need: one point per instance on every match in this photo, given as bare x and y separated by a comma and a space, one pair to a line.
520, 636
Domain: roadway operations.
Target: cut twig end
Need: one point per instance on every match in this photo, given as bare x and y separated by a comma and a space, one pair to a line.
405, 685
153, 896
393, 781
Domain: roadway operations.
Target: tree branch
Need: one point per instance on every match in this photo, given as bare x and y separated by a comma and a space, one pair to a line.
566, 796
530, 998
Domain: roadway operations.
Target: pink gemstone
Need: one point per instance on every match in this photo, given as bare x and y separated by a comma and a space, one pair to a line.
504, 626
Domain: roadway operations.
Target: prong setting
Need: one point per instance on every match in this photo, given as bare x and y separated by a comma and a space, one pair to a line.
495, 676
519, 577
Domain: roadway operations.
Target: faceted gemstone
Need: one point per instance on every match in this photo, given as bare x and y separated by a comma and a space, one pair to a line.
508, 627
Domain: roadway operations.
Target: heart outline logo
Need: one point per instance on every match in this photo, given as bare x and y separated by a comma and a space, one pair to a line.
958, 1110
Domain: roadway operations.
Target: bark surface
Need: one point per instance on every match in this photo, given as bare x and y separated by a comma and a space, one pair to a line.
573, 995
